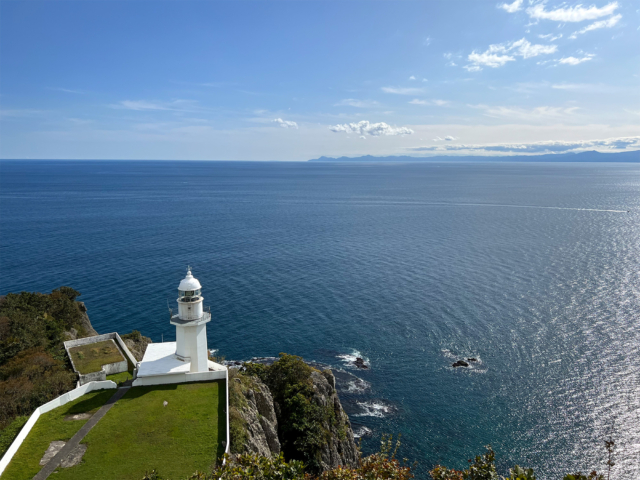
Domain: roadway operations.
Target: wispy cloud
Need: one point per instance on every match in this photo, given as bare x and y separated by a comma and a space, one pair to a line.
412, 77
571, 14
66, 90
511, 7
551, 37
526, 114
285, 123
608, 23
439, 103
145, 105
403, 90
365, 128
574, 60
499, 54
353, 102
609, 144
448, 138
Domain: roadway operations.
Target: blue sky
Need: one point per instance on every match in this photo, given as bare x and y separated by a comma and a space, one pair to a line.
293, 80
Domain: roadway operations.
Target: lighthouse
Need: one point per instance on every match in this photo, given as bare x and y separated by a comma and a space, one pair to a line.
191, 325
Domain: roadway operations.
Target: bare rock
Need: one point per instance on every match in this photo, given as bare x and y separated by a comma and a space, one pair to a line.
257, 412
85, 323
341, 449
137, 344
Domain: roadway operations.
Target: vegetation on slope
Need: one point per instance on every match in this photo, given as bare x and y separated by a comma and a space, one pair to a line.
33, 365
301, 422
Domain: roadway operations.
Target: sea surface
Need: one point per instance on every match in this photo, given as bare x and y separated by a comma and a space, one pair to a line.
533, 269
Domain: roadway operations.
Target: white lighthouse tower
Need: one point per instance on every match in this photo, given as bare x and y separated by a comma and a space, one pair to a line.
186, 359
191, 325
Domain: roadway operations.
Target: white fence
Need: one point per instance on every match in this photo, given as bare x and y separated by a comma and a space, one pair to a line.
55, 403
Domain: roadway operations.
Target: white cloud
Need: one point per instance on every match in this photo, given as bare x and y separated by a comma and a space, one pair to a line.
352, 102
140, 105
144, 105
551, 37
571, 14
364, 128
412, 77
574, 60
427, 41
608, 23
66, 90
439, 103
609, 144
402, 90
285, 123
499, 54
448, 138
544, 112
512, 7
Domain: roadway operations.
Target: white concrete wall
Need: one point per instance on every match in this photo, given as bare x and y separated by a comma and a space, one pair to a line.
200, 354
182, 348
180, 378
47, 407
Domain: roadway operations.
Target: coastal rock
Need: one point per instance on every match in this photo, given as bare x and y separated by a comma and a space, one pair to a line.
257, 412
460, 363
85, 323
360, 363
472, 359
136, 343
341, 449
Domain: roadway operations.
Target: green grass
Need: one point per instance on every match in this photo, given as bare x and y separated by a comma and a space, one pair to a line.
90, 358
49, 427
120, 378
139, 434
10, 432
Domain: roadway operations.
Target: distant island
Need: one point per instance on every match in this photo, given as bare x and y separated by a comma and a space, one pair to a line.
592, 156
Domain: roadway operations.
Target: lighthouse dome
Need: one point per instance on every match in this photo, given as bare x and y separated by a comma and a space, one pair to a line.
189, 283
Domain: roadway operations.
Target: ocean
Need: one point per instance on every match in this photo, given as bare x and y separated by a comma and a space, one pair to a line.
531, 268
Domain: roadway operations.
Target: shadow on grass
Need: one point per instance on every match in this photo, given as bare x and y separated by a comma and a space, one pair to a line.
92, 403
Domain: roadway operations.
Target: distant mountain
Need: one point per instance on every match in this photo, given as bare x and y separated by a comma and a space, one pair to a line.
593, 156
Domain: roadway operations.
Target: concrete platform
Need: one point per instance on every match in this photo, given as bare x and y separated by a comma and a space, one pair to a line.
160, 365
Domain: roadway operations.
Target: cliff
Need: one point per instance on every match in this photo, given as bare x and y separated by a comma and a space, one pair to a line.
293, 408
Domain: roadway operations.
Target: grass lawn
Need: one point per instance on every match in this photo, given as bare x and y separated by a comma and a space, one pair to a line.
49, 427
139, 434
90, 358
120, 378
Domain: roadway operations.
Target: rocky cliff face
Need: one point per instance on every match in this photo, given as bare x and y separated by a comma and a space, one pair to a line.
254, 420
259, 417
341, 449
85, 322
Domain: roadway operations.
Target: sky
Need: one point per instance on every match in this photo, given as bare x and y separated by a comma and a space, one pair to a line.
295, 80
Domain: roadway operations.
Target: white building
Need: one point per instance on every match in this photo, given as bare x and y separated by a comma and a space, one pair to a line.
186, 359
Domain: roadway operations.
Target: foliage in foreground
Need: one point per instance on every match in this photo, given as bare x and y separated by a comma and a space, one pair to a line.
482, 467
380, 466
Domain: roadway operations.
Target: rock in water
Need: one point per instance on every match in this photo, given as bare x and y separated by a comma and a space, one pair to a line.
460, 363
360, 363
472, 359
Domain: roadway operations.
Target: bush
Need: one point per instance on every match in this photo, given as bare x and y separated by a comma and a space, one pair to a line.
8, 435
33, 364
301, 423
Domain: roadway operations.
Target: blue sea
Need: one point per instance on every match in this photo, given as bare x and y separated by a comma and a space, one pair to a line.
532, 269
